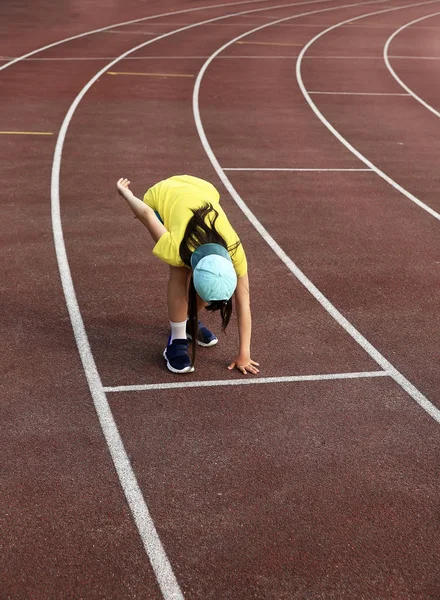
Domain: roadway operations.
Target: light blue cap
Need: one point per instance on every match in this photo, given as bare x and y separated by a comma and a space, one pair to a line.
213, 272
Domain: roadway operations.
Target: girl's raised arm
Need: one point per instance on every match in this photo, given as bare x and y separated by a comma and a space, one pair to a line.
144, 213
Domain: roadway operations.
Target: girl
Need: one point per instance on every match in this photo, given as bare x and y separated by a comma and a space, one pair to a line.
207, 265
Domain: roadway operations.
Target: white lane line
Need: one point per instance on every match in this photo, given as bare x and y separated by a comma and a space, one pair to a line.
400, 379
392, 71
330, 57
159, 561
287, 169
101, 29
250, 381
356, 94
336, 133
378, 26
415, 57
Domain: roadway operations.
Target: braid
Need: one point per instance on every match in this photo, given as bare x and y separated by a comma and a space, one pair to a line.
201, 230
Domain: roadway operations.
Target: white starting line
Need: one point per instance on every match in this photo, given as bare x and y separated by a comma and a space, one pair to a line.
289, 169
356, 94
243, 381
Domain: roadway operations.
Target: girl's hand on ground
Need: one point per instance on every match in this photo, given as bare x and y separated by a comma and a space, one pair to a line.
245, 365
123, 187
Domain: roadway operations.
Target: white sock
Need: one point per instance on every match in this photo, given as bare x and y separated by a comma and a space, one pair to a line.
178, 331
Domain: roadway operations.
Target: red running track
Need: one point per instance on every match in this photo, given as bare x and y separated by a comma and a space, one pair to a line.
326, 488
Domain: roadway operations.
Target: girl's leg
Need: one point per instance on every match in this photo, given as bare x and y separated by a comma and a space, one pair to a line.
177, 295
178, 301
205, 337
176, 352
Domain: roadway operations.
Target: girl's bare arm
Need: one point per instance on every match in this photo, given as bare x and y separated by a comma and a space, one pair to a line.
243, 360
144, 213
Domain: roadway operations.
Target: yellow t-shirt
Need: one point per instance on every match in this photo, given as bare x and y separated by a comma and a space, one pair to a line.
173, 200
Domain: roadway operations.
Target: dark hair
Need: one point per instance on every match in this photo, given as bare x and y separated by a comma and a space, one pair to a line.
201, 230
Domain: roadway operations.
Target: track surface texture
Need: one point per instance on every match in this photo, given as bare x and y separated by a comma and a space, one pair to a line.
319, 122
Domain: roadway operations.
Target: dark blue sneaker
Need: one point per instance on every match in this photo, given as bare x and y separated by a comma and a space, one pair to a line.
205, 337
176, 355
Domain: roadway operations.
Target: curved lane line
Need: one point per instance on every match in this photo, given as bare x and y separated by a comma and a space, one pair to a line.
404, 383
150, 18
392, 71
334, 131
138, 507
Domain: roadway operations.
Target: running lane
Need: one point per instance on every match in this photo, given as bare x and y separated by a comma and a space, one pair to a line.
399, 240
